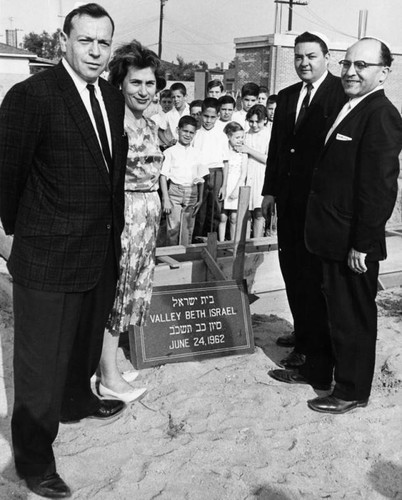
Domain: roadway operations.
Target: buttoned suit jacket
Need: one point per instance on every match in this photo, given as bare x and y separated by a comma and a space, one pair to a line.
292, 155
354, 186
56, 195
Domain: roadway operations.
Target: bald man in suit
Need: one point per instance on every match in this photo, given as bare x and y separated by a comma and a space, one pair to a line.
353, 192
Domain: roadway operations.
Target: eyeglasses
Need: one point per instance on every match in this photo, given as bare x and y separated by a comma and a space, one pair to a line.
359, 65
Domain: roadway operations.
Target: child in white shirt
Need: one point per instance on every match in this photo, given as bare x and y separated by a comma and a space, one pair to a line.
182, 200
234, 177
256, 144
213, 145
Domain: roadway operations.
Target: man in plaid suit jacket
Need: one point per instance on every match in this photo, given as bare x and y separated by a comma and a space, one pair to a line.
64, 204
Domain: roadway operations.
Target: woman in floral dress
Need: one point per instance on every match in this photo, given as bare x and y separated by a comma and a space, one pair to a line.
136, 71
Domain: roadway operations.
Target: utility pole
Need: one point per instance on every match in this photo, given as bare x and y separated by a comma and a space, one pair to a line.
363, 15
161, 28
291, 3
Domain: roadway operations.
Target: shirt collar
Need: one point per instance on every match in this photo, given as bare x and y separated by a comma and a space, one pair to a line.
355, 100
318, 82
79, 82
184, 147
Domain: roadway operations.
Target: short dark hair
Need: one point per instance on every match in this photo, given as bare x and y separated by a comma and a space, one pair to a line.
133, 54
227, 99
215, 83
263, 90
232, 127
210, 102
180, 87
250, 89
259, 110
187, 120
385, 54
165, 94
308, 37
273, 98
197, 103
90, 9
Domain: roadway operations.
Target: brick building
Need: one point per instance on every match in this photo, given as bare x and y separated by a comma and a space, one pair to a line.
268, 60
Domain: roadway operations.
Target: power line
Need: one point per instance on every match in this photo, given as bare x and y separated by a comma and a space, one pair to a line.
326, 24
189, 35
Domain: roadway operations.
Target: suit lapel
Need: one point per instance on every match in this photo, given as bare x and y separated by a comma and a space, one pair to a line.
351, 115
292, 105
81, 118
322, 89
115, 127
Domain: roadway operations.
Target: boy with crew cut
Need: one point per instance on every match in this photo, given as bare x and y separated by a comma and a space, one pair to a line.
215, 89
227, 106
182, 200
249, 97
213, 146
172, 117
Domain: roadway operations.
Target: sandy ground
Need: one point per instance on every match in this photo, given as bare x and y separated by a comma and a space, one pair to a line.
222, 429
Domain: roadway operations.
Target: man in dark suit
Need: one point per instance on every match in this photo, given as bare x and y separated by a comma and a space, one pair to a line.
62, 162
303, 115
353, 192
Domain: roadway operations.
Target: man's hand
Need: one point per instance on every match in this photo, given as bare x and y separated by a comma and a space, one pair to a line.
268, 206
356, 261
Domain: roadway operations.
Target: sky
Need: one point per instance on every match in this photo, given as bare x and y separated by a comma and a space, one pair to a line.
206, 29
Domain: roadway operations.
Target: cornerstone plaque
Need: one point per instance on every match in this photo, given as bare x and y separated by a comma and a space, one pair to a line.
191, 322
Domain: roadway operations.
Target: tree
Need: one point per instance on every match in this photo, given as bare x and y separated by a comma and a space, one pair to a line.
183, 71
43, 45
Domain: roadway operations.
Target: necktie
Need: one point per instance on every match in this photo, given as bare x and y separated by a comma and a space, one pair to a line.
304, 106
100, 125
342, 113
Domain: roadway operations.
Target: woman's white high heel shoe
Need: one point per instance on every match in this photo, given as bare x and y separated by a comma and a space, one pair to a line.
130, 376
127, 397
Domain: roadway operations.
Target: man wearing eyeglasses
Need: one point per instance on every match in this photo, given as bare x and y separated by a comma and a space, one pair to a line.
304, 113
353, 193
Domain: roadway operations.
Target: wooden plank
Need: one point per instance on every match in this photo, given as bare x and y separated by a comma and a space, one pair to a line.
172, 263
211, 251
265, 243
390, 280
239, 244
213, 269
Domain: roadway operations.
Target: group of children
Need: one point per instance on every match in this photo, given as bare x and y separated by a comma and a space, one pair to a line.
211, 150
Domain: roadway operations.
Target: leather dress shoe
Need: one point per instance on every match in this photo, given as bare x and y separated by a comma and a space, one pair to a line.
108, 408
293, 360
48, 486
292, 377
331, 404
287, 340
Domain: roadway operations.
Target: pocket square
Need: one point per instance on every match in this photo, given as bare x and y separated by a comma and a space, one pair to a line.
340, 137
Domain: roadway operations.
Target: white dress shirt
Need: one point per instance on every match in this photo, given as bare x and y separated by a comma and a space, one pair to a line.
84, 94
303, 92
347, 108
